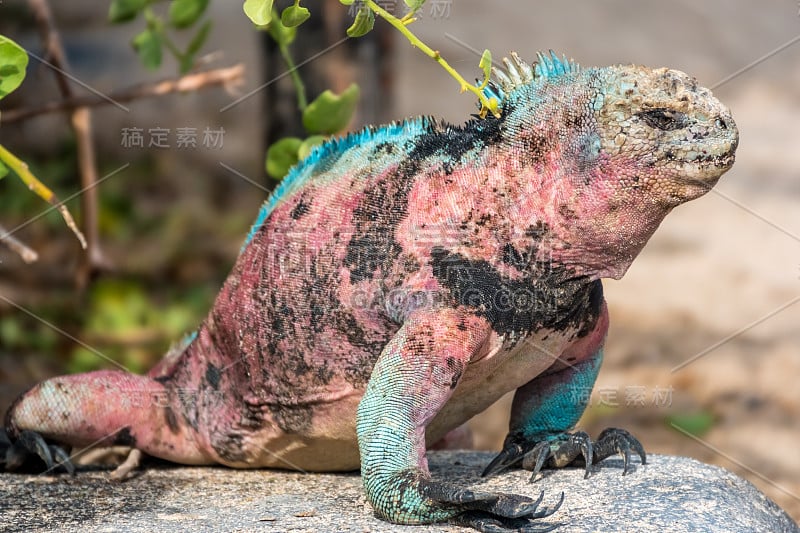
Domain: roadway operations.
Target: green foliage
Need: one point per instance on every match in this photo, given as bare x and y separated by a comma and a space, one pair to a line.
282, 156
259, 11
294, 15
282, 35
414, 5
20, 334
365, 19
148, 46
363, 23
309, 144
125, 10
693, 423
485, 64
330, 113
13, 61
150, 43
3, 171
184, 13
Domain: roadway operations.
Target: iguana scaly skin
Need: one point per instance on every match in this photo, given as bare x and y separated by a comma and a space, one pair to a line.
403, 278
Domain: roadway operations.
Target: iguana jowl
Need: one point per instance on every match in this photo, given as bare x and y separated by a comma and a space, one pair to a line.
403, 278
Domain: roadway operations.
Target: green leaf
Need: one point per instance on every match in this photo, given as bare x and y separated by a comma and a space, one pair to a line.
148, 45
13, 61
693, 423
259, 11
294, 16
414, 5
485, 64
283, 35
3, 170
309, 144
362, 25
346, 2
329, 112
184, 13
125, 10
282, 156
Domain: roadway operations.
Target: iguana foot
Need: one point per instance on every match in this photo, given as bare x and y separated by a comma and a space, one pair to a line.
566, 449
29, 450
412, 497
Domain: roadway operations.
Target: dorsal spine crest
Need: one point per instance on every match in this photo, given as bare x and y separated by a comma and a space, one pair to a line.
517, 73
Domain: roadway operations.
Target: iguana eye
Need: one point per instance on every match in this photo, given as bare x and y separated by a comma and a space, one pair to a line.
664, 119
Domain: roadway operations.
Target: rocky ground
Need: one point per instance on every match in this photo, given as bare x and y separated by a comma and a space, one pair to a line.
696, 497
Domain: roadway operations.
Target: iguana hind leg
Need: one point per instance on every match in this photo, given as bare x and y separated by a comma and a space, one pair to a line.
107, 408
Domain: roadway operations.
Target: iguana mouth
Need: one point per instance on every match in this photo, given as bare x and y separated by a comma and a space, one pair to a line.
721, 161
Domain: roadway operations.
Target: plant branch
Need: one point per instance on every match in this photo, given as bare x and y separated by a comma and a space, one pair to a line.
228, 76
402, 26
81, 121
28, 255
39, 188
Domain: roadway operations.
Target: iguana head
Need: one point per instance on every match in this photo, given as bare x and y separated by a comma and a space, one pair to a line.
611, 151
661, 121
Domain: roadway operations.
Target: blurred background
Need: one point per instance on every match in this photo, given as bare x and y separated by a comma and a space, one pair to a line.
702, 358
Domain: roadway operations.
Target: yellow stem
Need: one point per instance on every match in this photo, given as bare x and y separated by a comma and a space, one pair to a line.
401, 26
20, 168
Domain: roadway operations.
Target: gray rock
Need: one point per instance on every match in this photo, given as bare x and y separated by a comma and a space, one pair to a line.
668, 494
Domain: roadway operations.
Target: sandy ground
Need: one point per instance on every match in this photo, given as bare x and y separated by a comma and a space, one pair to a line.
705, 321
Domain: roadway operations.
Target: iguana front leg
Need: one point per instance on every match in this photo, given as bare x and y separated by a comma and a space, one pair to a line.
411, 381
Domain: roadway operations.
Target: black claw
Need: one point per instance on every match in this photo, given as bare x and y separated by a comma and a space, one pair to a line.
516, 507
63, 459
626, 456
634, 443
544, 513
509, 456
587, 450
541, 452
15, 453
539, 529
34, 443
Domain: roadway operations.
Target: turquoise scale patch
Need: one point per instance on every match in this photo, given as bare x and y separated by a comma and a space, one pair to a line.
363, 140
